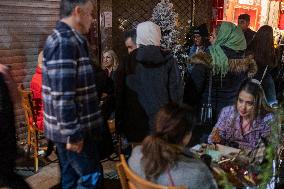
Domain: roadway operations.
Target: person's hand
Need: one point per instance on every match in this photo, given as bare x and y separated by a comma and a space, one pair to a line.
216, 138
75, 147
4, 69
212, 39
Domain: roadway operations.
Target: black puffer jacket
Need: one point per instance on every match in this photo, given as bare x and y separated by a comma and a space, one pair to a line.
149, 79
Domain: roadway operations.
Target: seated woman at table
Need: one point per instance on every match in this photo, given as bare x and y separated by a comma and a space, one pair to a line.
161, 158
245, 124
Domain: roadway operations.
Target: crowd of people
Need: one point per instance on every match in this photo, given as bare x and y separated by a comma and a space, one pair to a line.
226, 97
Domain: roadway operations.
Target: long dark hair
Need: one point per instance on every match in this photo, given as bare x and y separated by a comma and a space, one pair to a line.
262, 47
253, 87
173, 122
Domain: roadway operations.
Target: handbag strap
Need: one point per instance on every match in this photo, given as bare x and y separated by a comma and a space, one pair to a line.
209, 88
170, 177
264, 73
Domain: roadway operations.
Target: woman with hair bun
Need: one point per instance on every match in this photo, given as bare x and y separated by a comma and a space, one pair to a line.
161, 158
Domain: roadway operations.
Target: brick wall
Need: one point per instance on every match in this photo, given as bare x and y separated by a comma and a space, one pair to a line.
24, 26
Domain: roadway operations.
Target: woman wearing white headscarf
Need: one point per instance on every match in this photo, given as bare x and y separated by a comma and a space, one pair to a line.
148, 33
147, 81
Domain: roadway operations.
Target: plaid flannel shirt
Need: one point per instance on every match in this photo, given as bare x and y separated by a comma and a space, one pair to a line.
68, 87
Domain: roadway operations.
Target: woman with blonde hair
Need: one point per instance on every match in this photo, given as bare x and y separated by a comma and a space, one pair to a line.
110, 63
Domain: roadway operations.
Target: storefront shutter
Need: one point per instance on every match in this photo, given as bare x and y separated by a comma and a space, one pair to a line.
24, 26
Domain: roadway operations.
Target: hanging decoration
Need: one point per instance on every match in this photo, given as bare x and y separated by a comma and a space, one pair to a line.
273, 13
281, 17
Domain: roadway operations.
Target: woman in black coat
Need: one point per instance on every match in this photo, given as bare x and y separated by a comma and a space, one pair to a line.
227, 66
149, 79
262, 49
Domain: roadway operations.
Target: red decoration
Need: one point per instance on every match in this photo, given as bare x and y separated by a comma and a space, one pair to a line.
281, 22
281, 17
218, 11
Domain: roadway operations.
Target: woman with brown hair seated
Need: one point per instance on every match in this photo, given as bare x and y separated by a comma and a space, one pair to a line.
246, 124
161, 158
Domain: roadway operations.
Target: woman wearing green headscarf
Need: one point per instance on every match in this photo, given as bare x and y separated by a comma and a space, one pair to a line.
227, 65
229, 38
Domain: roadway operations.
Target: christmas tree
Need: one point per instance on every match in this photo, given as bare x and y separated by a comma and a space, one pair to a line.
165, 16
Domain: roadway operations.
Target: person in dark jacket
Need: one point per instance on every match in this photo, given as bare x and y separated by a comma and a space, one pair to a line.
105, 93
228, 68
8, 148
109, 65
244, 22
262, 49
148, 80
201, 43
130, 40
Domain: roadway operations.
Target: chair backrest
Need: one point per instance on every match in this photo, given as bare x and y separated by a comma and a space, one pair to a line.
122, 176
129, 180
111, 126
28, 106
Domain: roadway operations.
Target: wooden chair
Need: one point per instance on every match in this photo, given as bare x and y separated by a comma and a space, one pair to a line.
117, 138
30, 119
130, 180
